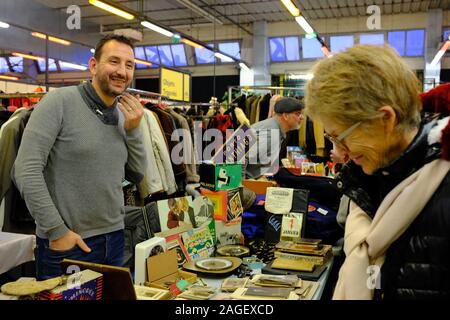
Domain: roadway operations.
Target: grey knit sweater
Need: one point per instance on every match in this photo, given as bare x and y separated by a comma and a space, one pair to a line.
71, 165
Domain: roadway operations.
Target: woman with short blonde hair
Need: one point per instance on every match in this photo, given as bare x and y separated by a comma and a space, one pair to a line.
397, 235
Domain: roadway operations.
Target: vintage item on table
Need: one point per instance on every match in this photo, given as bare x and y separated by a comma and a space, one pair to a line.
263, 249
292, 226
288, 281
147, 293
231, 284
213, 264
117, 281
258, 186
88, 285
279, 200
197, 293
307, 291
174, 215
163, 271
317, 260
304, 275
221, 200
30, 286
229, 232
201, 212
200, 242
259, 293
175, 243
220, 176
233, 250
311, 249
192, 266
143, 250
289, 264
253, 262
235, 209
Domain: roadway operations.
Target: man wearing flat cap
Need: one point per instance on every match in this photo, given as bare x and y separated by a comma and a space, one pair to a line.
271, 133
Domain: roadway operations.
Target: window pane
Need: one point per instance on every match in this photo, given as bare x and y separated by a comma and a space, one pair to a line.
139, 53
165, 54
446, 34
16, 63
152, 54
231, 48
277, 49
341, 43
376, 39
179, 55
415, 41
204, 56
51, 65
292, 48
3, 66
396, 39
311, 49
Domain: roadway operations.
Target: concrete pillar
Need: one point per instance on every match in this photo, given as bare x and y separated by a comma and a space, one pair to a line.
433, 42
260, 54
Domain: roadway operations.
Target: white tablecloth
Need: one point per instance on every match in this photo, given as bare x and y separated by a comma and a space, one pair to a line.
15, 249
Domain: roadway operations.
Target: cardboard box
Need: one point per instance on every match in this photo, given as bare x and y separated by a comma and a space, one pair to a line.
88, 287
217, 177
221, 201
258, 186
163, 271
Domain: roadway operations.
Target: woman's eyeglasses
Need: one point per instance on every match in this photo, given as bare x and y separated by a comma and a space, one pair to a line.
339, 140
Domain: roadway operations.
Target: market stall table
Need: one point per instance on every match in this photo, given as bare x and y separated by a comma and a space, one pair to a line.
15, 249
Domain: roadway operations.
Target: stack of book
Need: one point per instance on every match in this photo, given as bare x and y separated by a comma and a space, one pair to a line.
303, 255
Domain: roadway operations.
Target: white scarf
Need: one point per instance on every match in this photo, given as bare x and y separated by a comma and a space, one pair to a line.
367, 240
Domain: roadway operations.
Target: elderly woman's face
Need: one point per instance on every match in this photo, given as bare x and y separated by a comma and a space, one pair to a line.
367, 148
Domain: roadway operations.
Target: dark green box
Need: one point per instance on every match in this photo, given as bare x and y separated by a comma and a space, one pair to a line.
223, 176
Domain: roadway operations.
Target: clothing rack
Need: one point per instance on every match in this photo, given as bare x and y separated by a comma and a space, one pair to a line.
256, 88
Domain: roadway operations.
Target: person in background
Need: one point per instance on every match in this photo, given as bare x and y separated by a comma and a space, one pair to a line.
80, 144
270, 135
397, 178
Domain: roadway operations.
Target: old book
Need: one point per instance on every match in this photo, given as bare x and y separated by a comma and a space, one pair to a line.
317, 260
293, 247
282, 293
281, 263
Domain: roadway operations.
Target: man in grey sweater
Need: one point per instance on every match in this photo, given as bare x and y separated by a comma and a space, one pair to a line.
79, 145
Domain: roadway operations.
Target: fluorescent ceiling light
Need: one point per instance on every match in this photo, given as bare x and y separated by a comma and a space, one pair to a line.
156, 28
143, 62
72, 65
307, 76
200, 11
8, 78
92, 50
112, 9
4, 25
291, 7
53, 39
27, 56
244, 66
304, 24
440, 53
192, 43
223, 57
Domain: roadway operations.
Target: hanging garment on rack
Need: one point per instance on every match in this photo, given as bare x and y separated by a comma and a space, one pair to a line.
16, 218
248, 105
159, 175
188, 149
263, 113
4, 116
312, 140
254, 107
272, 103
168, 126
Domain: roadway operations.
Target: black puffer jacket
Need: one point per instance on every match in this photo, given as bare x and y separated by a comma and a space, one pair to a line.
417, 265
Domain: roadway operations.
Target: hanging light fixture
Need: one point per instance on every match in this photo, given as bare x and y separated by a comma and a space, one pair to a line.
143, 62
192, 43
244, 66
291, 7
223, 57
27, 56
112, 9
304, 24
4, 25
70, 65
3, 77
50, 38
440, 53
156, 28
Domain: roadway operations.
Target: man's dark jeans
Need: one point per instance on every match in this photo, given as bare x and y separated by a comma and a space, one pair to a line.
105, 249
